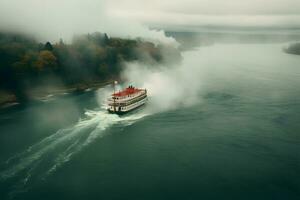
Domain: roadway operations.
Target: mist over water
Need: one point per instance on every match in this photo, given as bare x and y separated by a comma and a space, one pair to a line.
218, 67
222, 124
223, 84
168, 87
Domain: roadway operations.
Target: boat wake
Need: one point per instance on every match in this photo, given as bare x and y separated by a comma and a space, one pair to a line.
45, 157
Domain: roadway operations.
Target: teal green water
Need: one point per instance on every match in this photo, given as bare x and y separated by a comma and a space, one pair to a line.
240, 138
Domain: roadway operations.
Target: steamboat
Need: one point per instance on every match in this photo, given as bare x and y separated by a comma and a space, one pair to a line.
126, 100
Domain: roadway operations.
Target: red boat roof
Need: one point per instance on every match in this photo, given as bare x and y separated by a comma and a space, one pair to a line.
126, 92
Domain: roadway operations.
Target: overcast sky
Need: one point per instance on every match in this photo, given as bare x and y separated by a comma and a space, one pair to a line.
281, 13
214, 7
62, 18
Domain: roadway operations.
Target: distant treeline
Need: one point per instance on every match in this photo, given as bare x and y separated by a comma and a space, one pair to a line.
293, 49
26, 63
190, 40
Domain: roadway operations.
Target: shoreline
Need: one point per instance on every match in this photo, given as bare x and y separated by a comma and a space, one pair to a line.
9, 100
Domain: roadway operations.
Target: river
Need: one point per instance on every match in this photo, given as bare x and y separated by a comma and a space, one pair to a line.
225, 124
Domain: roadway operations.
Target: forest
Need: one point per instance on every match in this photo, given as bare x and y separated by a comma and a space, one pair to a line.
26, 64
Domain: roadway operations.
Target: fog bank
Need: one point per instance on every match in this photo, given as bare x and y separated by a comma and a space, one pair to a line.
55, 19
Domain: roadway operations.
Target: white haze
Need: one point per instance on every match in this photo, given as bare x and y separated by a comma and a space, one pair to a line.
55, 19
168, 86
262, 13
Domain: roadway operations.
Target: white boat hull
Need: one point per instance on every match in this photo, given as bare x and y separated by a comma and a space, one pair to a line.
127, 108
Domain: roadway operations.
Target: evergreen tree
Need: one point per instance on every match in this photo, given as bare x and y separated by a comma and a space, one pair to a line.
106, 39
48, 46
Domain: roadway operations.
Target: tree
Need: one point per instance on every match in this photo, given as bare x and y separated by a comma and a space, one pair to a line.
48, 46
106, 39
103, 70
61, 42
26, 62
45, 60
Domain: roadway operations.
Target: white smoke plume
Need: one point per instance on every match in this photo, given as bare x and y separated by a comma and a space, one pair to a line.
168, 87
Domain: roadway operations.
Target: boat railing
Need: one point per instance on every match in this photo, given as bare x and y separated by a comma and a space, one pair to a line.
127, 102
127, 98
